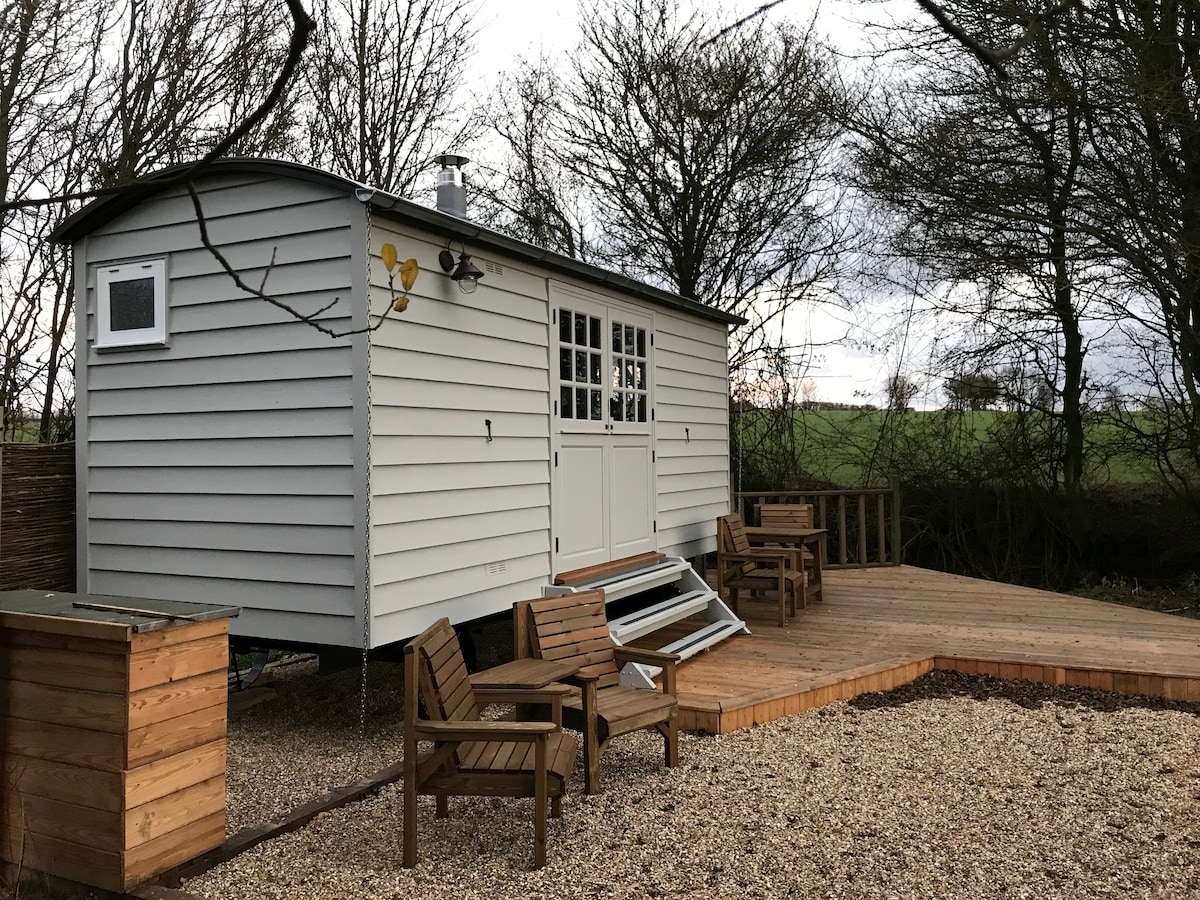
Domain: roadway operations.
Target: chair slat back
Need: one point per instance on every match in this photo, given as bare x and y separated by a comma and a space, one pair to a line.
445, 684
575, 627
731, 532
785, 515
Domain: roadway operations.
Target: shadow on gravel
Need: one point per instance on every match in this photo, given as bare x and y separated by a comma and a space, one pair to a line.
1029, 694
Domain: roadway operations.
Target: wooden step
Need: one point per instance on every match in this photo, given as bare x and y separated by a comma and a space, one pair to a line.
629, 582
643, 621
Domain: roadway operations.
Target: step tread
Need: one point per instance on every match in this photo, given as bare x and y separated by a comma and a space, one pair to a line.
691, 644
668, 566
699, 599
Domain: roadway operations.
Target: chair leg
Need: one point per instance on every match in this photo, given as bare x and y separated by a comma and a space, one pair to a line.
540, 793
591, 740
443, 806
781, 587
410, 814
671, 739
556, 806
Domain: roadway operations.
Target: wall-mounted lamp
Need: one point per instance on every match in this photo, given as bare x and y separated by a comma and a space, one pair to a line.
465, 273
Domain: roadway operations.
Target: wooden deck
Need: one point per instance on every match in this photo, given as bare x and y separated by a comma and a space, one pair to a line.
881, 627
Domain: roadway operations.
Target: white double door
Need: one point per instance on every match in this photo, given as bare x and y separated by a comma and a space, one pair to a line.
603, 466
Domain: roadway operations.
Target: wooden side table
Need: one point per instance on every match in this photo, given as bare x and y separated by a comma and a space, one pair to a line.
796, 538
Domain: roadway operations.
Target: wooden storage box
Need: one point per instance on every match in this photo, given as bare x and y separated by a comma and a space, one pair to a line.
112, 735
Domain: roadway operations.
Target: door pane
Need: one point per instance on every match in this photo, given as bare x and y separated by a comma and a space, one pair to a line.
581, 329
597, 405
564, 364
565, 402
581, 403
564, 326
596, 379
581, 366
594, 333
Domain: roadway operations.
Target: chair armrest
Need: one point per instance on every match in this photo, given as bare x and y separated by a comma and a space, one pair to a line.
646, 657
483, 731
763, 555
551, 693
579, 679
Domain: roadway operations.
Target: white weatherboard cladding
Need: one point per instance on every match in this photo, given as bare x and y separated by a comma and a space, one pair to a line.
221, 467
460, 525
691, 431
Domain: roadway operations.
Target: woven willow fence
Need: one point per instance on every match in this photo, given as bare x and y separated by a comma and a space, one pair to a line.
37, 516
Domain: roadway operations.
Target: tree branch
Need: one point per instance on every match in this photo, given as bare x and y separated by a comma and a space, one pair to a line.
302, 28
260, 292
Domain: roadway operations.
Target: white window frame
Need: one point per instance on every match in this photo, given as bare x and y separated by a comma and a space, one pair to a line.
107, 275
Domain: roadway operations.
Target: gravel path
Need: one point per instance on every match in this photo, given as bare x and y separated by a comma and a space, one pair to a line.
954, 786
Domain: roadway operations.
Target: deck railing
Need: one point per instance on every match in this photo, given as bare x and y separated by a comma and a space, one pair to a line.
863, 523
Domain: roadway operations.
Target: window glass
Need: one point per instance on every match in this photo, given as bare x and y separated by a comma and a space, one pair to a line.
131, 304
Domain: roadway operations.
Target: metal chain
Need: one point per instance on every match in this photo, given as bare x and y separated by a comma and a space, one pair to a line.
366, 634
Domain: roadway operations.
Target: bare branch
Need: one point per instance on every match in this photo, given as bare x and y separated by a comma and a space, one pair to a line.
302, 28
995, 57
310, 319
740, 22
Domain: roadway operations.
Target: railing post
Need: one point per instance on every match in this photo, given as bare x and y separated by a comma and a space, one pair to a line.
897, 546
842, 528
862, 529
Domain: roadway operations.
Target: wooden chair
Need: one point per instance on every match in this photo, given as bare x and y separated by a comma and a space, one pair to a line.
796, 515
575, 627
756, 569
473, 757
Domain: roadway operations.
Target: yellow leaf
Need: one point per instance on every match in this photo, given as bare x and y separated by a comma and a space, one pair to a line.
408, 273
401, 304
388, 252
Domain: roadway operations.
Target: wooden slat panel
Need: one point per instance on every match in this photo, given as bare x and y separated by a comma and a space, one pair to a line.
66, 859
81, 825
173, 773
173, 811
59, 781
174, 847
169, 701
51, 640
194, 729
165, 663
68, 668
92, 710
63, 744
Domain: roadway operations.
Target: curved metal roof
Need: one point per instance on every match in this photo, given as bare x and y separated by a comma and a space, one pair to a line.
104, 209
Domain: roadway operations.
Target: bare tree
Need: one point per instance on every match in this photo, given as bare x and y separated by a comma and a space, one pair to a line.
703, 167
382, 81
528, 192
982, 179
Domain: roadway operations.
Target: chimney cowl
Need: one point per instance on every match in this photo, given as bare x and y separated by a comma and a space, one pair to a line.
451, 194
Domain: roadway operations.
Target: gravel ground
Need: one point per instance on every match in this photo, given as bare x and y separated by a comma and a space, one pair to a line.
953, 786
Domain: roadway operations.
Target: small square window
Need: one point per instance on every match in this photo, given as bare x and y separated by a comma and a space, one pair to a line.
131, 304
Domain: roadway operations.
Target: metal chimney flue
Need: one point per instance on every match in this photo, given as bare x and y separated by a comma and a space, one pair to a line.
451, 195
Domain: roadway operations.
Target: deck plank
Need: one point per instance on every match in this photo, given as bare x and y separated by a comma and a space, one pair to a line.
884, 626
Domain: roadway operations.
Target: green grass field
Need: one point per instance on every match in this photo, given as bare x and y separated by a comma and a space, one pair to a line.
853, 447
